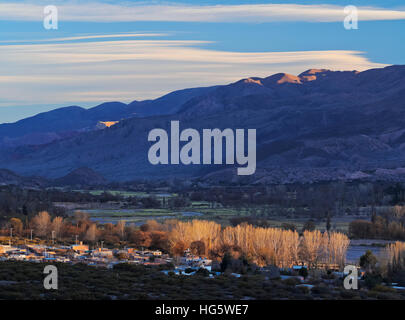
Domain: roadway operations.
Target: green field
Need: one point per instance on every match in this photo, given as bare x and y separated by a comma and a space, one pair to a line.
127, 194
205, 210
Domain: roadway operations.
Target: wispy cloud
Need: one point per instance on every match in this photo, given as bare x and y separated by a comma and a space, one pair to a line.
90, 37
120, 12
125, 70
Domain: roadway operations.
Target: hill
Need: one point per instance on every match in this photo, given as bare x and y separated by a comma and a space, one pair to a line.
70, 121
81, 177
316, 126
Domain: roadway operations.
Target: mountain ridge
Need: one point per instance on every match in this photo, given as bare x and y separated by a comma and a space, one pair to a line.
339, 125
64, 122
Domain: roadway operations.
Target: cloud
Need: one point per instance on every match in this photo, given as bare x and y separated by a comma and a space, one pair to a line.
90, 37
126, 70
252, 13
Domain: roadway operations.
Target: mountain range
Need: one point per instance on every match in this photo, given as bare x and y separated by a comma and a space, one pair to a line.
70, 121
317, 126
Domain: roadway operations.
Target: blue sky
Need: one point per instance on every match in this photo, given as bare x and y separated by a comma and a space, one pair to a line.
134, 50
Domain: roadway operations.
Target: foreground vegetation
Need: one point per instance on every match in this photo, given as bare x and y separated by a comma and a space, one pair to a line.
24, 280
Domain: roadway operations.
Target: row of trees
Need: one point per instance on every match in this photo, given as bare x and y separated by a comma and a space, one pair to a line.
396, 256
378, 228
150, 235
44, 226
260, 245
206, 238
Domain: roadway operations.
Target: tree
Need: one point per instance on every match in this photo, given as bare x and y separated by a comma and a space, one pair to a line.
178, 202
57, 224
121, 229
42, 223
140, 238
25, 210
337, 244
308, 226
368, 261
197, 248
303, 272
396, 253
17, 225
150, 202
159, 240
151, 225
312, 246
91, 233
179, 248
226, 261
328, 224
361, 229
81, 217
288, 226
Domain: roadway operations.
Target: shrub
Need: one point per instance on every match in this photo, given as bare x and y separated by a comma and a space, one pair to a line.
303, 272
303, 289
320, 289
381, 288
292, 281
188, 270
202, 272
372, 279
349, 294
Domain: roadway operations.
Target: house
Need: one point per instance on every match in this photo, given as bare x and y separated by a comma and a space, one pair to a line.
80, 248
37, 249
102, 252
204, 262
5, 249
195, 261
156, 253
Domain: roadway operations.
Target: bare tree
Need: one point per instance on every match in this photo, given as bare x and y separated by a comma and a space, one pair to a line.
42, 223
91, 233
57, 225
121, 229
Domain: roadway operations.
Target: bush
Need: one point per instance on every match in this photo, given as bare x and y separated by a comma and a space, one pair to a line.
329, 275
349, 294
381, 288
368, 260
387, 296
320, 289
372, 279
303, 272
303, 289
202, 272
291, 281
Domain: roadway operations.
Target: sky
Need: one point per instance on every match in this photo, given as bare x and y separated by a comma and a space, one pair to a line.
136, 50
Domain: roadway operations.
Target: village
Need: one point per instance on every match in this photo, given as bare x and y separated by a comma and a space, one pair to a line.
188, 264
299, 276
303, 262
99, 257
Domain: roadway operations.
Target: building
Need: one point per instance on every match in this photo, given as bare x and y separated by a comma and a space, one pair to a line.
80, 248
5, 249
102, 252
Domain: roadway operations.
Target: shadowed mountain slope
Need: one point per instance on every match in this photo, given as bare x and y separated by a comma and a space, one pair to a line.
70, 121
319, 125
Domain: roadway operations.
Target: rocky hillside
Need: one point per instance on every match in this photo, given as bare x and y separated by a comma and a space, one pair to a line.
81, 177
67, 122
319, 125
